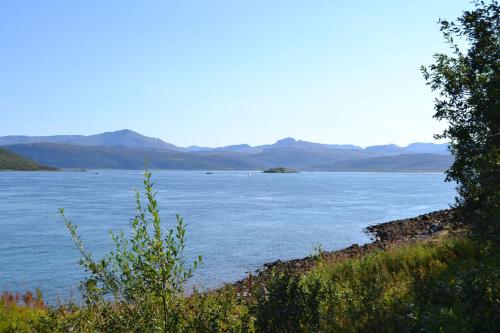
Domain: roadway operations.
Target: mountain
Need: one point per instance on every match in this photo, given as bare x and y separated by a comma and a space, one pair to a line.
118, 157
127, 149
397, 163
390, 149
125, 138
195, 148
11, 161
346, 147
300, 144
412, 148
128, 138
432, 148
242, 148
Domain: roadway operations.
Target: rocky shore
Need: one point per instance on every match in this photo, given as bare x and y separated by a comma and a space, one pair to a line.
384, 236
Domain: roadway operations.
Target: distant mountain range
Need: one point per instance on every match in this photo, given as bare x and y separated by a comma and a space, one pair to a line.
126, 149
125, 138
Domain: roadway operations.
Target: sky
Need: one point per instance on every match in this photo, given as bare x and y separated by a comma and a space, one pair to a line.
215, 73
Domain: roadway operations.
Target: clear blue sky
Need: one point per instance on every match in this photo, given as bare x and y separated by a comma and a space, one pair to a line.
222, 72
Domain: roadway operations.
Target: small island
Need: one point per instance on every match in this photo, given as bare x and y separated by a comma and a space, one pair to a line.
280, 170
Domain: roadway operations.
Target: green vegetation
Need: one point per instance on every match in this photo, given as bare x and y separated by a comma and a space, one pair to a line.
18, 313
143, 279
445, 285
11, 161
468, 82
280, 170
415, 288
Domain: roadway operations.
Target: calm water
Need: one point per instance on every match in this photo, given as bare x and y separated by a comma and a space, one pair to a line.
236, 220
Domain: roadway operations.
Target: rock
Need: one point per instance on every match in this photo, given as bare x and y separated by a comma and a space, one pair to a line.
386, 235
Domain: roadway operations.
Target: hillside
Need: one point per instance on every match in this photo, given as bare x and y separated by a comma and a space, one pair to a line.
125, 138
11, 161
395, 163
117, 157
127, 149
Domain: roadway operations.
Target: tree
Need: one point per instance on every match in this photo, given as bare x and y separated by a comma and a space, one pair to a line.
468, 86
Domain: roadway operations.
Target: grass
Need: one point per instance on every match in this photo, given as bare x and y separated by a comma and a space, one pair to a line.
449, 285
445, 285
18, 312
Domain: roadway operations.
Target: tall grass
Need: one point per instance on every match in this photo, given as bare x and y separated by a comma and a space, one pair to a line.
18, 312
446, 286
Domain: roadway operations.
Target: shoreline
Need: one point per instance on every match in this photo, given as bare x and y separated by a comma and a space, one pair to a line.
384, 236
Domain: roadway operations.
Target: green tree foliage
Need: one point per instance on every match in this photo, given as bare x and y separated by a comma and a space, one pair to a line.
138, 286
468, 82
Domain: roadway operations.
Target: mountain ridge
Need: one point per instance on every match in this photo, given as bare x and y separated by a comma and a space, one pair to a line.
127, 149
125, 137
116, 157
129, 138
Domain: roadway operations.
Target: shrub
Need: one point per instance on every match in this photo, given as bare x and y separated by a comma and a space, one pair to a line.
138, 286
447, 286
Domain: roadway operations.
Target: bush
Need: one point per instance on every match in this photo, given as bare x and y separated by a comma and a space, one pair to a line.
451, 286
139, 286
